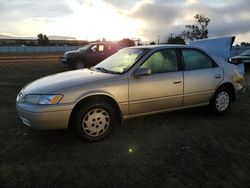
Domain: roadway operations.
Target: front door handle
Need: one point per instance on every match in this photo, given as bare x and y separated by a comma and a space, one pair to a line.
177, 82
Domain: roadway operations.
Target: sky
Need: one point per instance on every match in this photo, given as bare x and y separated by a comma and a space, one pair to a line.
117, 19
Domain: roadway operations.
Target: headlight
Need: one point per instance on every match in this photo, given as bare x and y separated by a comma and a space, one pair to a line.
246, 61
42, 99
20, 96
65, 55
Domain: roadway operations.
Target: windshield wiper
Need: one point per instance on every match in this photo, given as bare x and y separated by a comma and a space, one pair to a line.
105, 70
101, 69
92, 68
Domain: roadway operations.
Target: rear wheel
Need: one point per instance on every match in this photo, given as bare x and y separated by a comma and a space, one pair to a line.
221, 101
94, 121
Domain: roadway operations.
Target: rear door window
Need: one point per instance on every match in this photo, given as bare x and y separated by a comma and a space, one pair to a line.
195, 59
101, 48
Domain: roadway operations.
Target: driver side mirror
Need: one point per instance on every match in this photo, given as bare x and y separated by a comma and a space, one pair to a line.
93, 49
142, 72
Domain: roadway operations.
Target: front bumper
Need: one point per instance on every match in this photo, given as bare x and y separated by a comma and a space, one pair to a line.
41, 117
63, 60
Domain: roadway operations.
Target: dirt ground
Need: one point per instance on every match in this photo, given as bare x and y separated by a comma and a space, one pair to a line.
189, 148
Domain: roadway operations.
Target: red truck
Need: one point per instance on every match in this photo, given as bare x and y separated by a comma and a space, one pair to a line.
88, 55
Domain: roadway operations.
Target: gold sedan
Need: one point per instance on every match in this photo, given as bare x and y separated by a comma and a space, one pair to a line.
134, 82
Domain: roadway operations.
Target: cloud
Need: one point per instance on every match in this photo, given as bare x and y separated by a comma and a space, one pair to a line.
152, 17
232, 28
47, 8
159, 19
19, 16
162, 17
228, 18
121, 4
150, 12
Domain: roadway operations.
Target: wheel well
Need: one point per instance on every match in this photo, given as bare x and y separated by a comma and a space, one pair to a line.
96, 98
231, 89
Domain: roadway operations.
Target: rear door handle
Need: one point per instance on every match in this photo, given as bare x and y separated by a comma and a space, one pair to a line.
218, 76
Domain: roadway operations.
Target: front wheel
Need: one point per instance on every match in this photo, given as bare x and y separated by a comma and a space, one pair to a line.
94, 121
221, 101
79, 65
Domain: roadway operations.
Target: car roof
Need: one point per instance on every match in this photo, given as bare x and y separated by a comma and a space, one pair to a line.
163, 46
95, 43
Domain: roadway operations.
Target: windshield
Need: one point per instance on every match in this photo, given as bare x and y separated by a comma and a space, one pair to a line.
246, 53
121, 61
85, 47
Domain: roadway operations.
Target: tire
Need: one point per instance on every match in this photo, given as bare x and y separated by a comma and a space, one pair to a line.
79, 65
94, 121
221, 101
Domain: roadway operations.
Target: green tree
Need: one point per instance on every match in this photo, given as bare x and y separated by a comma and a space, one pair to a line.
198, 30
45, 40
42, 40
126, 42
245, 44
176, 40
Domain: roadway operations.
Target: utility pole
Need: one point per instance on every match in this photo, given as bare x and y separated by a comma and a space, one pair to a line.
158, 39
171, 35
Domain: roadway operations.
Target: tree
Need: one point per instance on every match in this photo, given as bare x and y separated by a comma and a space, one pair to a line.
126, 42
104, 40
42, 40
45, 40
245, 44
176, 40
152, 43
198, 30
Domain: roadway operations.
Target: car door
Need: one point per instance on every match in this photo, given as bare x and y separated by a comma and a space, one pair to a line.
101, 50
162, 89
95, 54
201, 77
108, 51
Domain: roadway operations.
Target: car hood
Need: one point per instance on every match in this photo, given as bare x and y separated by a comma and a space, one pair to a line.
220, 47
54, 84
73, 53
240, 57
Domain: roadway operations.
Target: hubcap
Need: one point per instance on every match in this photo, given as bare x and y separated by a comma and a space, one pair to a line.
79, 65
96, 122
222, 101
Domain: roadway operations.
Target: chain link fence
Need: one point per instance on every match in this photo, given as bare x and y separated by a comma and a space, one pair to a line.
236, 50
36, 49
